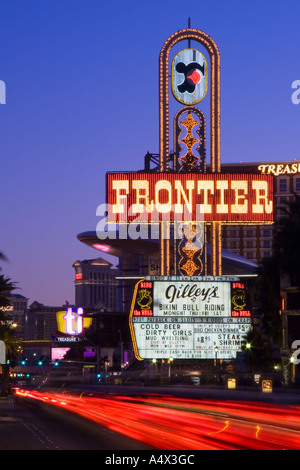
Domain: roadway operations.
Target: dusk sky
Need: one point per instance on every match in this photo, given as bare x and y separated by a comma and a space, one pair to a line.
81, 82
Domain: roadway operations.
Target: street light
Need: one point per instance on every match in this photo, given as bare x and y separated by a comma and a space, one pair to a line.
171, 359
293, 374
216, 364
216, 354
154, 362
248, 347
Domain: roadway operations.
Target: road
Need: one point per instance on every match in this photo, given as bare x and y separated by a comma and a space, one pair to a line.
25, 425
165, 422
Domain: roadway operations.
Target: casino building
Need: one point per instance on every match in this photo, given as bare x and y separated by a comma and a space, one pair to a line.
95, 285
254, 242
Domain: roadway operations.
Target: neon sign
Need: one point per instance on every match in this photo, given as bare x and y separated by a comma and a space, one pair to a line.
280, 169
235, 198
69, 317
72, 323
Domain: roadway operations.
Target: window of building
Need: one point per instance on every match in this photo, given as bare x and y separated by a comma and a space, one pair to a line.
266, 254
282, 200
282, 185
266, 233
232, 245
249, 233
232, 233
297, 185
281, 212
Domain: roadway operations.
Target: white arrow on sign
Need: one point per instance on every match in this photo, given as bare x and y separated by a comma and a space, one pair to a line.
2, 353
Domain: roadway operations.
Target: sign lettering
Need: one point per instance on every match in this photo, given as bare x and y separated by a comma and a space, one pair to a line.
280, 169
207, 197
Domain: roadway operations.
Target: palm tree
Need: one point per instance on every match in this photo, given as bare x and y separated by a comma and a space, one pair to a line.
12, 350
2, 257
6, 287
6, 329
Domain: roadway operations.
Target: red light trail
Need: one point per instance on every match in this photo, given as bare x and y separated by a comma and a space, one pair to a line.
169, 423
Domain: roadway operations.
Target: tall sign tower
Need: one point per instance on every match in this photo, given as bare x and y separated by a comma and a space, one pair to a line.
192, 76
193, 310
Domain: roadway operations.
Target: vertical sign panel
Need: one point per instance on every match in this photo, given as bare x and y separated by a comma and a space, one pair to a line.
189, 76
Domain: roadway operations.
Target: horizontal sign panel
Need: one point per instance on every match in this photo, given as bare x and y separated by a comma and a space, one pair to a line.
280, 168
189, 319
148, 197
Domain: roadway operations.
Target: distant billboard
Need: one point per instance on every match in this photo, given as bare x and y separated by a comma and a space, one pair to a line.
72, 323
189, 318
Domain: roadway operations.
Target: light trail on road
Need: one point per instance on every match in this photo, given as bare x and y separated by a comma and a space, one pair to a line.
168, 423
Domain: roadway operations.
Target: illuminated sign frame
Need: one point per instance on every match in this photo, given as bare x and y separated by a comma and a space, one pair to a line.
210, 314
186, 58
228, 198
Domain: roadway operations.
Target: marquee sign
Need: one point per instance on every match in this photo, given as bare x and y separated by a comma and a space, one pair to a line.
232, 198
189, 76
189, 317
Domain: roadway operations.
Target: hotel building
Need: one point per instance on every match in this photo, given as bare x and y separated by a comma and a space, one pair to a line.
255, 242
96, 286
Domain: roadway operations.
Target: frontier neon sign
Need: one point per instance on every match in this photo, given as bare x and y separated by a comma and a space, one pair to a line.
230, 197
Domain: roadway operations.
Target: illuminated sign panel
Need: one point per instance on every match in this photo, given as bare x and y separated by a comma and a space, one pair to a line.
189, 76
72, 323
189, 318
231, 198
280, 169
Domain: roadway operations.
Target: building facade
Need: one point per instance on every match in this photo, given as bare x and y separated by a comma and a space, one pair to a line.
42, 320
18, 311
255, 242
96, 286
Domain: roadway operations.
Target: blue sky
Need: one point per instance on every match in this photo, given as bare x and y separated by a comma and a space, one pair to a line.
82, 99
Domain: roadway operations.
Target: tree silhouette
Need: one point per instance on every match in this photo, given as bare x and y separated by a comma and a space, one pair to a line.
6, 329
